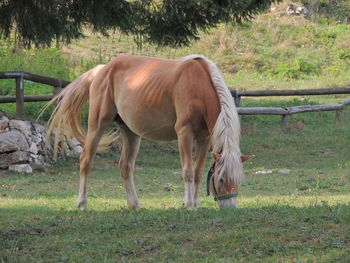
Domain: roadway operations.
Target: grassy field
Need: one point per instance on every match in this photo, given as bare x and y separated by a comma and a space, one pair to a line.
295, 199
300, 216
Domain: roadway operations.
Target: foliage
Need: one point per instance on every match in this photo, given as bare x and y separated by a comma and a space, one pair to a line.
298, 70
47, 61
327, 11
167, 22
261, 54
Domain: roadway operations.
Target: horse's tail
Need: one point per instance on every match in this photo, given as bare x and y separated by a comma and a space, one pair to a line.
226, 132
65, 121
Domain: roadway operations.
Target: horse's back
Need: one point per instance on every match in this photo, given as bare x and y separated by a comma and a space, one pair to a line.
152, 95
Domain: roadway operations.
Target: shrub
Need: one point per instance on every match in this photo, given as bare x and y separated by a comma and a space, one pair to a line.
300, 69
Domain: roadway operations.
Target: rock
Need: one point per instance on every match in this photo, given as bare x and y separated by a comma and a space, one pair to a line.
39, 160
299, 11
24, 127
4, 123
7, 159
263, 172
21, 168
39, 129
13, 141
78, 149
23, 145
74, 141
284, 171
290, 10
76, 146
302, 11
33, 148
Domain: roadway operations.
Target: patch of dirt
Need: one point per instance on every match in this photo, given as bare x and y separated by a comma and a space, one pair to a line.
322, 152
15, 232
188, 241
5, 173
149, 251
248, 131
297, 126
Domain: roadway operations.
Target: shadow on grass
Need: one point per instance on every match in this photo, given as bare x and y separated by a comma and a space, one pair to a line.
272, 232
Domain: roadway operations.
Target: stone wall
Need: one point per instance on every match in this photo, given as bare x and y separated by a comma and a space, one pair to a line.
22, 145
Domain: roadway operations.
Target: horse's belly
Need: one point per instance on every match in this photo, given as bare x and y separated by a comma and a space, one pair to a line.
164, 134
152, 125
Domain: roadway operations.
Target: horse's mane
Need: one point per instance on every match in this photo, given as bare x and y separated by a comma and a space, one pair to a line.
226, 132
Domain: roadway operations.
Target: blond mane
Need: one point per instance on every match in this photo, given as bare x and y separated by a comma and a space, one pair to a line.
226, 132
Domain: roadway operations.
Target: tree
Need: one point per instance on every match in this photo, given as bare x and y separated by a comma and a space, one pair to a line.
163, 22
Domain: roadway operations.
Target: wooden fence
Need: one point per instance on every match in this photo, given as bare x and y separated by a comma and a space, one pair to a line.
58, 84
286, 112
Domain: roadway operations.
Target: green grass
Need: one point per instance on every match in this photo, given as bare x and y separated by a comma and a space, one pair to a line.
46, 62
303, 216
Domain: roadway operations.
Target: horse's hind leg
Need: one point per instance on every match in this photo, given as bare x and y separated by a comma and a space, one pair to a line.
131, 146
86, 159
201, 149
99, 118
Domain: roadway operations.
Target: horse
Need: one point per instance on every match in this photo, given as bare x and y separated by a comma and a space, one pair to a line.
162, 100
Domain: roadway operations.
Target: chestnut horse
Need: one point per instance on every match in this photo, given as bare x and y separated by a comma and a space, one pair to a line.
161, 100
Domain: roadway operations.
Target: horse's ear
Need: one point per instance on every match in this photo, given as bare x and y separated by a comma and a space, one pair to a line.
246, 157
216, 156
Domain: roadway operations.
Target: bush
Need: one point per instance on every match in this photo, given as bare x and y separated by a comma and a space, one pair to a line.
46, 62
329, 10
300, 69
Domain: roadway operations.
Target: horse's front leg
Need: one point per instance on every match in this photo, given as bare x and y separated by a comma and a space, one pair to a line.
185, 141
201, 149
131, 146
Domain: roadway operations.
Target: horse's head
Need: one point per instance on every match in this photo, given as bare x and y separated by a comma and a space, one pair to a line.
221, 185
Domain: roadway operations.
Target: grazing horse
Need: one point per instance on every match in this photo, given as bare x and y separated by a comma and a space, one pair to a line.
162, 100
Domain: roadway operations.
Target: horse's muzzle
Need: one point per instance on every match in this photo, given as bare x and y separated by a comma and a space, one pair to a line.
228, 203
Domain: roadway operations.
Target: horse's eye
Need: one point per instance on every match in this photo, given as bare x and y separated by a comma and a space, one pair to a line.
221, 181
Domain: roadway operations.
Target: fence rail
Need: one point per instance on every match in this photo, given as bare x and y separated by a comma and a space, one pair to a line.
35, 78
294, 92
286, 112
58, 84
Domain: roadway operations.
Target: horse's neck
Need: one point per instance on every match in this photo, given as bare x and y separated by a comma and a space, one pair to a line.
213, 111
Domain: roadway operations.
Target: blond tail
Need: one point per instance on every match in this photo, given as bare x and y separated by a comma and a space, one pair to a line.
65, 121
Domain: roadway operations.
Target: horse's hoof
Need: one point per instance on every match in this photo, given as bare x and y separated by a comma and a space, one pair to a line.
197, 205
82, 208
190, 207
82, 205
134, 206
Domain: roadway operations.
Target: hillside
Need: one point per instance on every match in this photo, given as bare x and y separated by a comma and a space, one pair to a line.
273, 51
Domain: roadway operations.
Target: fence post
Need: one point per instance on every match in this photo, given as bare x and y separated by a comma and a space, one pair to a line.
285, 121
237, 99
339, 115
20, 97
56, 90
